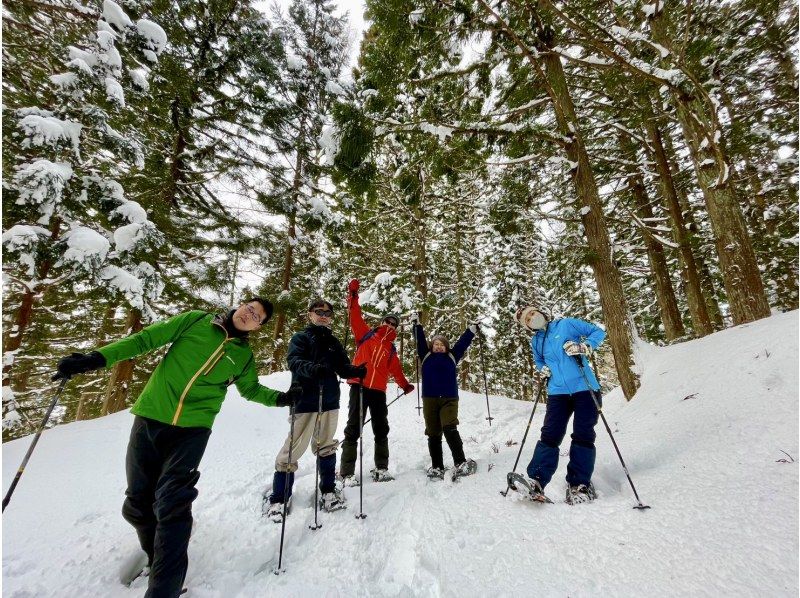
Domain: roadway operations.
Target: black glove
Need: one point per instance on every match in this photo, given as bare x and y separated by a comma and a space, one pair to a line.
290, 397
354, 371
79, 363
323, 370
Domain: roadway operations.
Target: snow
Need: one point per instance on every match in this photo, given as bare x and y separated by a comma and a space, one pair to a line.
49, 130
114, 14
709, 441
85, 245
132, 212
334, 88
155, 37
139, 78
126, 237
42, 182
114, 91
125, 282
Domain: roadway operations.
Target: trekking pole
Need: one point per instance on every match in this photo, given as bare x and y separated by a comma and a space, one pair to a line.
317, 525
361, 514
387, 406
485, 384
608, 429
286, 487
21, 469
416, 362
524, 437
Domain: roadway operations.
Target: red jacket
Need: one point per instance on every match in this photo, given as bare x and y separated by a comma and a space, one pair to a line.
375, 349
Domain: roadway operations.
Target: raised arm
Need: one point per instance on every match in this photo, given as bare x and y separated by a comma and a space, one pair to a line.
422, 343
587, 332
462, 344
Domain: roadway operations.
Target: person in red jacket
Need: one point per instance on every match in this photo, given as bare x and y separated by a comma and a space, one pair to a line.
374, 348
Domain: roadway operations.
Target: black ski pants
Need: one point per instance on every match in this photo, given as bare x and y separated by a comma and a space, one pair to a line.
161, 467
375, 403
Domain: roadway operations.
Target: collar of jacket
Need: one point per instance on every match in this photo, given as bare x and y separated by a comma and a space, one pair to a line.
386, 333
319, 330
226, 322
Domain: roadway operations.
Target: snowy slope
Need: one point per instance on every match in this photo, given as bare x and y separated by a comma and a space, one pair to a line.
703, 441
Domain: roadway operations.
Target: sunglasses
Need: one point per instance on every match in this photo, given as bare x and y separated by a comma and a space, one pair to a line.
324, 313
392, 322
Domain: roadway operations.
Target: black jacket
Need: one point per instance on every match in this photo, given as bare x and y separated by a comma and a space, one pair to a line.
308, 348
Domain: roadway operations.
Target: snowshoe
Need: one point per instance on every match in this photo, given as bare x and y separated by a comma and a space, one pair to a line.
435, 473
468, 467
530, 489
349, 481
580, 494
134, 567
381, 475
332, 501
274, 511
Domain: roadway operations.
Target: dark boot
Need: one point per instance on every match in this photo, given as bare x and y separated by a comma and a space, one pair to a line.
435, 449
382, 453
327, 473
453, 439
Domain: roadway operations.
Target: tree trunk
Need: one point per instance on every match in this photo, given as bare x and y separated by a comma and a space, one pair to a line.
122, 372
665, 293
609, 284
743, 285
102, 339
280, 319
701, 321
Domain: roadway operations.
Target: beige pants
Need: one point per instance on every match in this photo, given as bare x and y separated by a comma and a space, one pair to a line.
305, 432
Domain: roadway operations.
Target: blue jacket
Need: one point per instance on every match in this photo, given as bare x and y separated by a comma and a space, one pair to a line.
309, 347
439, 369
548, 349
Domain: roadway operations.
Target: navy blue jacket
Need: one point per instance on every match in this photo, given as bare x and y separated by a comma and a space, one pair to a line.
309, 347
439, 369
548, 349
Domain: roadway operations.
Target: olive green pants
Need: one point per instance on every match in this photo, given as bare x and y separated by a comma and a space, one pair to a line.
441, 417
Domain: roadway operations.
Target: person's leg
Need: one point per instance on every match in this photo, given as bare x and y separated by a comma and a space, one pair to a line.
347, 463
582, 451
142, 468
327, 450
379, 412
545, 456
181, 449
283, 479
433, 430
448, 416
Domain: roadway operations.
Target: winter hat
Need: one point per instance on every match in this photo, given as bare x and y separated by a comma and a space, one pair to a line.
524, 312
442, 339
393, 317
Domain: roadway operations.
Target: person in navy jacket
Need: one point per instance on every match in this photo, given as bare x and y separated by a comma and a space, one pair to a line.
440, 398
557, 345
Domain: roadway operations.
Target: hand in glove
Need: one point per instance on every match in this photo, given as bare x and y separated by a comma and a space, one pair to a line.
545, 373
408, 388
79, 363
574, 349
290, 397
353, 287
355, 371
474, 328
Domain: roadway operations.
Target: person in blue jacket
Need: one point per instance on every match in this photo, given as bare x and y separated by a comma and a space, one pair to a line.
440, 398
557, 345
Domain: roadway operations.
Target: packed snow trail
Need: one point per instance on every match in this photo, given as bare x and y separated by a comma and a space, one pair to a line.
704, 440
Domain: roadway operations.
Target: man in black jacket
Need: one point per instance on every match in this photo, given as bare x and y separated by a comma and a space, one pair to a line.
316, 359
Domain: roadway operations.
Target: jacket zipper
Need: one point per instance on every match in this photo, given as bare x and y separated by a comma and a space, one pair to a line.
179, 409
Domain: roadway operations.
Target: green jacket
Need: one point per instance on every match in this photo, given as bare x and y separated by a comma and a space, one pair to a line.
189, 384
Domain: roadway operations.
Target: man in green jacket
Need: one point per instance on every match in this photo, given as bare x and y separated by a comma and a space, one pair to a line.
174, 415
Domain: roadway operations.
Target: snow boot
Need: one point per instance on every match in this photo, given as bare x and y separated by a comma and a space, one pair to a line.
332, 501
381, 475
275, 511
468, 467
580, 494
536, 493
435, 473
348, 480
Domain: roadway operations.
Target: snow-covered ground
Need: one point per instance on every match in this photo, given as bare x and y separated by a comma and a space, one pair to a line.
708, 440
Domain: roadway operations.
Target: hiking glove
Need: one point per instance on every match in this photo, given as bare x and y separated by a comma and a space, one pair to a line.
408, 388
290, 397
354, 371
79, 363
574, 349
